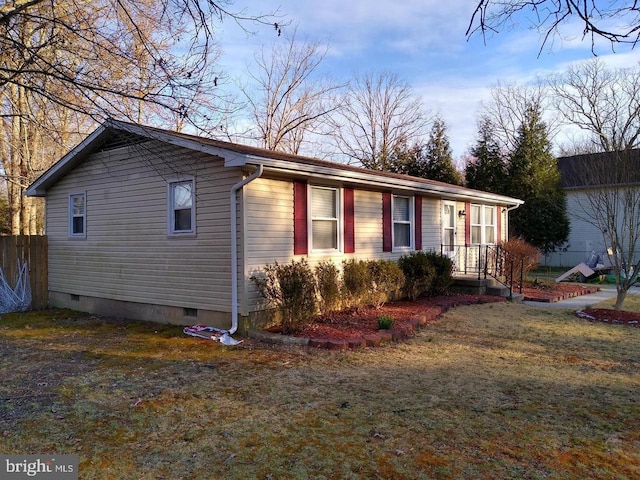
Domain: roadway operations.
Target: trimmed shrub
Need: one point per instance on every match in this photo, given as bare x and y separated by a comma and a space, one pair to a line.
328, 281
387, 280
419, 273
444, 273
515, 249
356, 282
291, 289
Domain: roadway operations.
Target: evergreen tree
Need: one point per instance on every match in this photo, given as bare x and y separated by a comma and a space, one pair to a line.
433, 160
533, 176
487, 171
408, 160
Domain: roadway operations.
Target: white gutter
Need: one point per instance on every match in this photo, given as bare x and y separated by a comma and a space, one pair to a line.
510, 209
376, 181
234, 246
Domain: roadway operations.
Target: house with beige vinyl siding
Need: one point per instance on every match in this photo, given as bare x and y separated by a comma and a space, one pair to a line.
157, 225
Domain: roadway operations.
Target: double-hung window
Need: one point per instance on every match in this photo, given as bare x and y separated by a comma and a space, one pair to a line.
325, 218
182, 211
489, 224
483, 224
402, 221
77, 215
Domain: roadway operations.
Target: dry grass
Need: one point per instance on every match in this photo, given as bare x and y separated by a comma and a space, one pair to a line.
631, 303
490, 391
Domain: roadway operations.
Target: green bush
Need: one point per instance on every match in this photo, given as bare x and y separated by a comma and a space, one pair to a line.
356, 282
328, 281
419, 273
444, 273
291, 289
385, 322
426, 273
387, 280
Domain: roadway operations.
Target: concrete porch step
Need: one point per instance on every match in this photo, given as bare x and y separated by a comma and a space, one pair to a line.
480, 286
497, 290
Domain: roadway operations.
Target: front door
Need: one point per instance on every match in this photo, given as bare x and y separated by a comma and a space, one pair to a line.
449, 229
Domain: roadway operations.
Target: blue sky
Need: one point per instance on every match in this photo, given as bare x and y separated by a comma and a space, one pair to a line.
424, 42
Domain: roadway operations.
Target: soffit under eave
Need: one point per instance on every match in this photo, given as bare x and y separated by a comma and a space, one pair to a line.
385, 184
70, 161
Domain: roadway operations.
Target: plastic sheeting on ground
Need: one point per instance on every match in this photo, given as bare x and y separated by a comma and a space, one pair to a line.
17, 298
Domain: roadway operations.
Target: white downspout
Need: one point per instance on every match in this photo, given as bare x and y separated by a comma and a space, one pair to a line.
510, 209
234, 246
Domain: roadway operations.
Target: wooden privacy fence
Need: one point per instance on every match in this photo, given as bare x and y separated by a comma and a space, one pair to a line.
33, 250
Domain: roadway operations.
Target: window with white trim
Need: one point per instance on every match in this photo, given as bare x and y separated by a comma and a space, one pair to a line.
182, 211
402, 208
489, 224
483, 224
325, 218
77, 215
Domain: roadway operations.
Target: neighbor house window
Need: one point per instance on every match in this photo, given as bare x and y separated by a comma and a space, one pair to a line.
483, 224
77, 215
325, 218
182, 212
402, 221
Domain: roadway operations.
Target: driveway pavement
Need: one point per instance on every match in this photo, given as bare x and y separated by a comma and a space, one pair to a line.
576, 303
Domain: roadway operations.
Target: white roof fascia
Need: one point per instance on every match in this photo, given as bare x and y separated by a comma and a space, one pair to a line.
235, 159
178, 141
371, 179
34, 189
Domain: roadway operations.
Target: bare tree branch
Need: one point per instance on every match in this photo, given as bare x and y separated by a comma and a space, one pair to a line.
379, 114
615, 21
604, 103
508, 107
287, 98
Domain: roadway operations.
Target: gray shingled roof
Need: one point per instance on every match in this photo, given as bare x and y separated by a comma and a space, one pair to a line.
600, 169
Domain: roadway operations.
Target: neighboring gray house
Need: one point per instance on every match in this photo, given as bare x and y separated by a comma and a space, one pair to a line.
158, 225
585, 175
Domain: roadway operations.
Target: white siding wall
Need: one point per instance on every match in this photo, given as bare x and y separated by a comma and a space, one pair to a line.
431, 224
127, 254
583, 236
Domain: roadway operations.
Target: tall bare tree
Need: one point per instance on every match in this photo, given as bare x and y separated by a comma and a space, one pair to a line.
287, 97
379, 115
616, 21
508, 107
606, 195
102, 55
603, 102
77, 60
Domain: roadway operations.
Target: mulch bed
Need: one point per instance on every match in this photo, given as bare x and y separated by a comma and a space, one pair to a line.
554, 292
359, 327
620, 317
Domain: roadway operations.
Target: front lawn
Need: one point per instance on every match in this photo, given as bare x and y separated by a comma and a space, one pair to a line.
488, 391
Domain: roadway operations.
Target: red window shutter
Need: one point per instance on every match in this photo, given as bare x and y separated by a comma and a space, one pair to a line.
349, 223
387, 224
467, 223
418, 222
498, 224
300, 226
